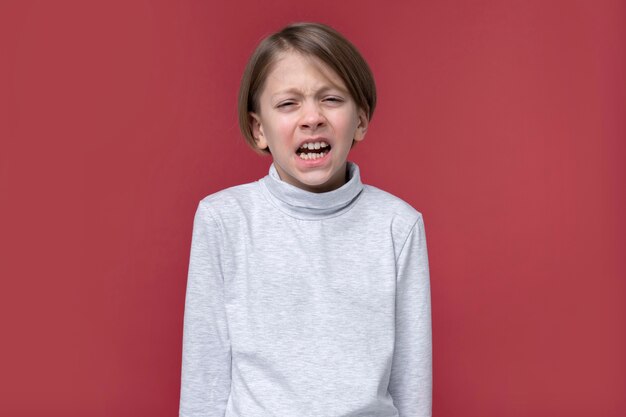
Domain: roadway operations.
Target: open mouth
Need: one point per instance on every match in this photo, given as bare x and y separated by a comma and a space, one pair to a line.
313, 150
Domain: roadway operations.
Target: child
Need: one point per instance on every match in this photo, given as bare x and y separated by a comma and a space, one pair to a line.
308, 292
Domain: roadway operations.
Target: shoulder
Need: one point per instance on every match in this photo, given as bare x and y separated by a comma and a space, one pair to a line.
402, 218
392, 213
230, 196
391, 206
231, 203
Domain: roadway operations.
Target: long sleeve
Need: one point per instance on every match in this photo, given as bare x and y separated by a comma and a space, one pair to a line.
206, 356
410, 383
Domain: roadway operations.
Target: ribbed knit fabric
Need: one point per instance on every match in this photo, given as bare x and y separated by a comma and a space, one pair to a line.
304, 304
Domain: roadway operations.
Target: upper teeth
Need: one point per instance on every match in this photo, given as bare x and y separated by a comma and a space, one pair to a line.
314, 145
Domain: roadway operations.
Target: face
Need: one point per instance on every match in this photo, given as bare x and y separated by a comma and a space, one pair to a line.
308, 120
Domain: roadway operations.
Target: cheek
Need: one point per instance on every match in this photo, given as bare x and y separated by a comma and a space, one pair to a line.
347, 124
278, 134
284, 128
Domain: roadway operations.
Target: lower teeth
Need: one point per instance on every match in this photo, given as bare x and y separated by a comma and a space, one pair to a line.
312, 155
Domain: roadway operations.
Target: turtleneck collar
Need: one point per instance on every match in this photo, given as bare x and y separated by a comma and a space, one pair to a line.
309, 205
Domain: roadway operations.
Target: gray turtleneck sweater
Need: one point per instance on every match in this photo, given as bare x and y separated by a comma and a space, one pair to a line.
304, 304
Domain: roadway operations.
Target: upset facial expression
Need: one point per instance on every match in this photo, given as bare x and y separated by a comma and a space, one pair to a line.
305, 104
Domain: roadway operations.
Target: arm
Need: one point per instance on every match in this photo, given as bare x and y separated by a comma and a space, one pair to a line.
410, 383
206, 362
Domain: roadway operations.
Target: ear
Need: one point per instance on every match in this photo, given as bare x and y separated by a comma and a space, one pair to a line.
361, 128
257, 130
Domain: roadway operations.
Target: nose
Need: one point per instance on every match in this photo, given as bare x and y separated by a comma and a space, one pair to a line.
312, 117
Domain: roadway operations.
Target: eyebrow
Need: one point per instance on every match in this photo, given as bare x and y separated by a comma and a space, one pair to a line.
322, 90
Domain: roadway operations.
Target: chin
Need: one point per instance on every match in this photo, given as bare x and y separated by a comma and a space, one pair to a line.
314, 184
318, 186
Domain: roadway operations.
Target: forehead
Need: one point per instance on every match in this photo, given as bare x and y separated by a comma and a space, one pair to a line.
299, 71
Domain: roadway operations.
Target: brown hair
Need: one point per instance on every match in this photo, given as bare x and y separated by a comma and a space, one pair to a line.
311, 39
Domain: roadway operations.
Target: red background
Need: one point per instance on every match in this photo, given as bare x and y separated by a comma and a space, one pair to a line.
502, 122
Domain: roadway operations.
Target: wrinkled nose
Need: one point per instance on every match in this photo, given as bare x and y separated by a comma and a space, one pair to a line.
312, 117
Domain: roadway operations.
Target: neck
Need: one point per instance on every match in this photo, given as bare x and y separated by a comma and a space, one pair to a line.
337, 181
312, 205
